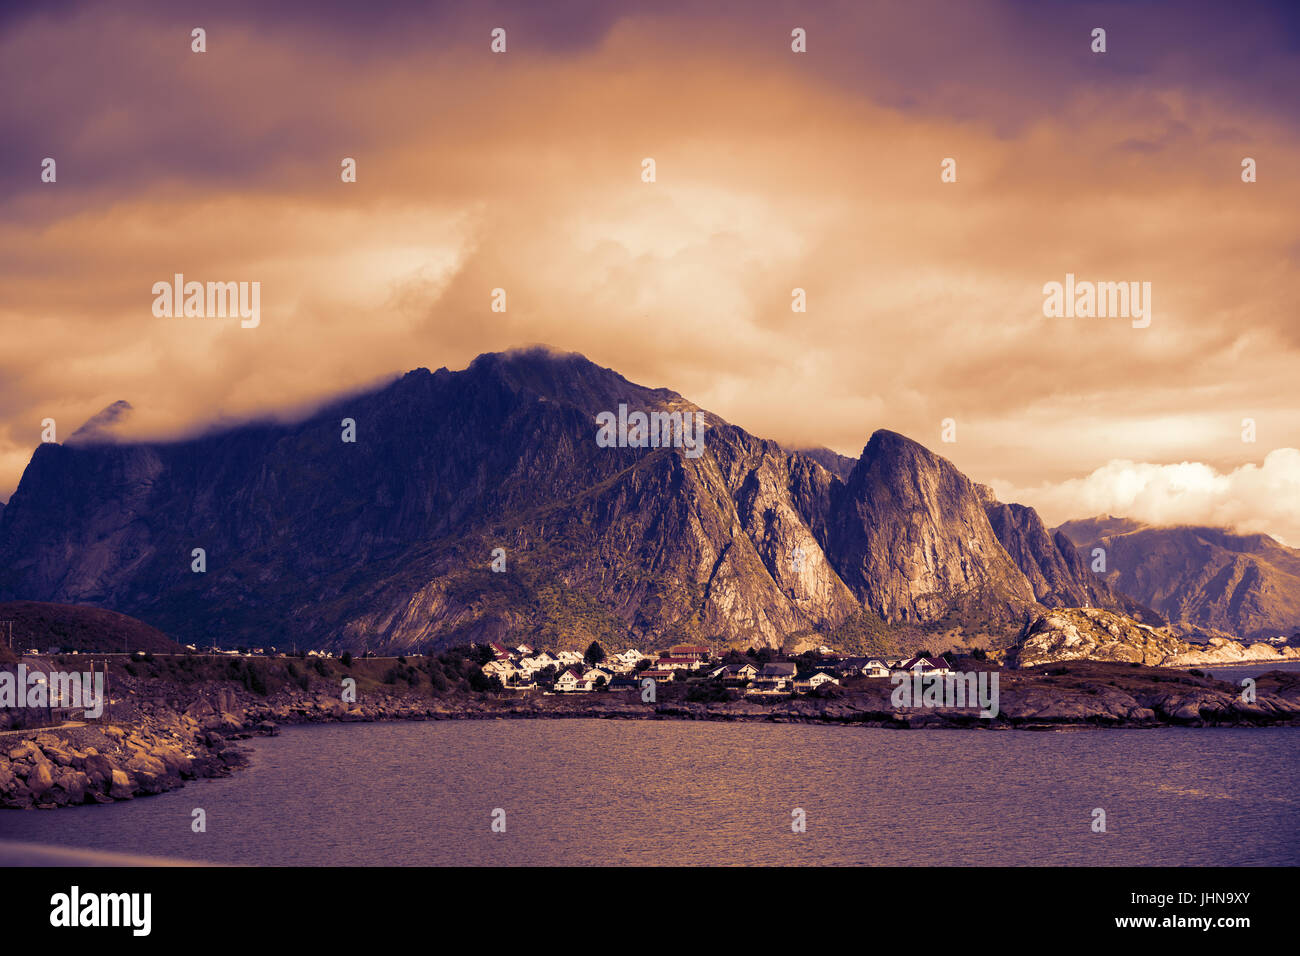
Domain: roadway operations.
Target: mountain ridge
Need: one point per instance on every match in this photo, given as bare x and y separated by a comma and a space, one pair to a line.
386, 542
1209, 582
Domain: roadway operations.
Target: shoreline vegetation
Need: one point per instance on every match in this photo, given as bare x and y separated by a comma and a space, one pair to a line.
179, 717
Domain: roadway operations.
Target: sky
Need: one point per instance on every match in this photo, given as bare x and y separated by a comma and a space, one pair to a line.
774, 171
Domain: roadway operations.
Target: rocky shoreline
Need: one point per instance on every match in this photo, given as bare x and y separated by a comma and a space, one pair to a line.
1094, 634
94, 762
158, 746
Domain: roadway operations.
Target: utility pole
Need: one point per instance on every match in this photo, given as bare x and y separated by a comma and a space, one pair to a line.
108, 697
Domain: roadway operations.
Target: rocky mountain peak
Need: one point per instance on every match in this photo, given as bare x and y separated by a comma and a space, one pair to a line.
911, 538
386, 542
101, 426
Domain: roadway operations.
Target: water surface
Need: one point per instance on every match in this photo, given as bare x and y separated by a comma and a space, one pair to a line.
676, 792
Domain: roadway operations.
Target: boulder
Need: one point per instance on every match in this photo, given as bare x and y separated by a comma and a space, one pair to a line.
25, 749
233, 757
99, 770
72, 783
142, 762
173, 760
40, 779
148, 782
17, 797
121, 786
1187, 711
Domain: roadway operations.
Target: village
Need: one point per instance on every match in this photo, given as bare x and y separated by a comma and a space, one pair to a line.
522, 668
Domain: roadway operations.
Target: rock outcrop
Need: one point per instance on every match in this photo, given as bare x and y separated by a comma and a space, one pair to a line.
1099, 635
1220, 650
100, 763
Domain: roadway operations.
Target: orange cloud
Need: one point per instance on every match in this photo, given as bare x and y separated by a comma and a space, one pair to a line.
523, 173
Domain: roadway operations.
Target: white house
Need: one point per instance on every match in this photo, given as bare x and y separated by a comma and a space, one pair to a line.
925, 666
629, 658
734, 672
502, 669
571, 681
875, 668
775, 678
807, 682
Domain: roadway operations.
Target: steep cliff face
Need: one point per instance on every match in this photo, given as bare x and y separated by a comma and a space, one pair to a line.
909, 536
1055, 569
1022, 534
387, 542
1204, 580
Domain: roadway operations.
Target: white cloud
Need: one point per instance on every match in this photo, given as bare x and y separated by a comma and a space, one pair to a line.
1252, 498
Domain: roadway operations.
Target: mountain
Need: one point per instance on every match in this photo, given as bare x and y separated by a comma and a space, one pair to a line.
41, 626
1057, 572
839, 465
1207, 581
1092, 529
910, 537
387, 542
101, 427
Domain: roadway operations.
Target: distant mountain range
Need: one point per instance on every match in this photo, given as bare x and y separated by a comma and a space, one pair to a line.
1207, 581
387, 542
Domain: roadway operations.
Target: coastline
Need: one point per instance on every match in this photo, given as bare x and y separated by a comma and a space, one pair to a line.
166, 738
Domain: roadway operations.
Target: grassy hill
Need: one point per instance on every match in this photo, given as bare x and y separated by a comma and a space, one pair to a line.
71, 627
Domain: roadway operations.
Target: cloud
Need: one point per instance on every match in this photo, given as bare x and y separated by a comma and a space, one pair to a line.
1263, 498
775, 171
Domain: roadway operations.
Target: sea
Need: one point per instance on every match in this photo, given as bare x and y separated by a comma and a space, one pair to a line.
576, 792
